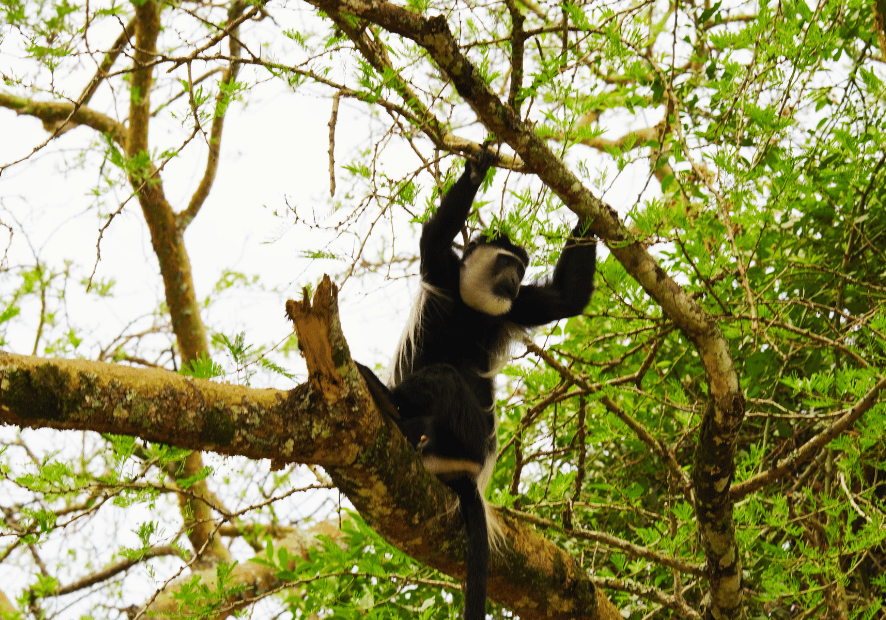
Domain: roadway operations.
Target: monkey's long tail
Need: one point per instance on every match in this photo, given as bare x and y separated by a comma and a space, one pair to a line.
474, 515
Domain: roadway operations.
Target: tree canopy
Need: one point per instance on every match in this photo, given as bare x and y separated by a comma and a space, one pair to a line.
705, 441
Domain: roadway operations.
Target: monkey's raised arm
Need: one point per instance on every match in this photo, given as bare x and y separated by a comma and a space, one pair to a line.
568, 292
439, 263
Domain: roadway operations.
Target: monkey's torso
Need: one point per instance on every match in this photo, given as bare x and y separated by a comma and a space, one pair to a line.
453, 333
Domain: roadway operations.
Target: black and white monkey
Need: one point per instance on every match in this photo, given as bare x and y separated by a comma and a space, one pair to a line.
441, 381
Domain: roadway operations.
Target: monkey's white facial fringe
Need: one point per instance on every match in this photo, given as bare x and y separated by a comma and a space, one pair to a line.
475, 282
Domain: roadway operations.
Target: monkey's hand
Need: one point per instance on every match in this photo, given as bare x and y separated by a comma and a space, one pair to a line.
477, 169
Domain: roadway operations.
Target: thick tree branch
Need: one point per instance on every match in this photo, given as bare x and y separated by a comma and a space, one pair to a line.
158, 405
518, 40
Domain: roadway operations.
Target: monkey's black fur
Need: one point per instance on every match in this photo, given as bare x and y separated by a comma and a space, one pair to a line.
442, 378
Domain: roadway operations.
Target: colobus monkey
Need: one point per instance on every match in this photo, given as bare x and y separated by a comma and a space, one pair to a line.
441, 379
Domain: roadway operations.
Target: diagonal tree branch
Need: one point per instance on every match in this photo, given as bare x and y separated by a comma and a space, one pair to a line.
812, 447
377, 56
106, 64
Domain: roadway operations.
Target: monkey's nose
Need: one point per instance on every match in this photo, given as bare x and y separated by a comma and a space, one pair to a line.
507, 287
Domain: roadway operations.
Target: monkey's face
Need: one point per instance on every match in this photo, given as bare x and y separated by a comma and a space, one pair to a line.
490, 279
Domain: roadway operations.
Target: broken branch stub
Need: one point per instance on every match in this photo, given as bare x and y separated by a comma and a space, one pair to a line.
320, 339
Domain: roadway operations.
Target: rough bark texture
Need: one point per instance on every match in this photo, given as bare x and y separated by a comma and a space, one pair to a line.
166, 236
57, 115
163, 406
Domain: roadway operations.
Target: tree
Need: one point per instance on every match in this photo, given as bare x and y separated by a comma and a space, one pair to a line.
705, 441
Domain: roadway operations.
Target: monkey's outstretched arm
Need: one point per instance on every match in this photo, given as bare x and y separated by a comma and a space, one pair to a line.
438, 261
568, 292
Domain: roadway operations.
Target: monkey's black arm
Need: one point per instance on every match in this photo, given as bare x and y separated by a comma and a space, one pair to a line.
439, 263
568, 292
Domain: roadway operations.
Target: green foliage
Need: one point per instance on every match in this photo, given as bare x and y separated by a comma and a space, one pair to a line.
246, 357
419, 6
360, 576
203, 600
205, 368
137, 167
318, 254
228, 93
